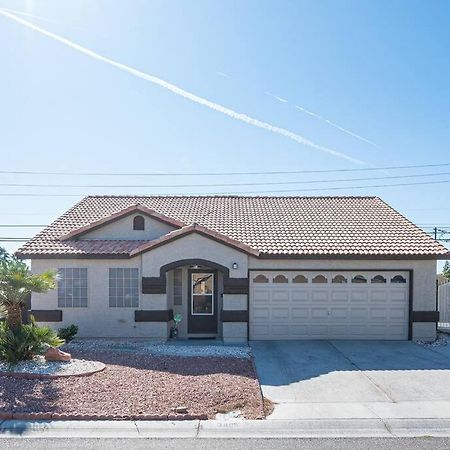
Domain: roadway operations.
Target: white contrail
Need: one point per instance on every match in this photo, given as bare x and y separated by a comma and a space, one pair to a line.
223, 74
276, 97
308, 112
335, 125
183, 93
357, 136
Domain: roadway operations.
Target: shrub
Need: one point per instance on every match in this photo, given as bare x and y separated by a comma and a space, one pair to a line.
25, 342
68, 333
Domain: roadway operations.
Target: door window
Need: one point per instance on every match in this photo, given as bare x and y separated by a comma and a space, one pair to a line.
202, 294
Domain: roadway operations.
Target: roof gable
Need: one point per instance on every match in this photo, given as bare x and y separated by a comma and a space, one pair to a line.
78, 232
194, 228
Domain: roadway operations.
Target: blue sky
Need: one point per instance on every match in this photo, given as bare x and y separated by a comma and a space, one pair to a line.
379, 70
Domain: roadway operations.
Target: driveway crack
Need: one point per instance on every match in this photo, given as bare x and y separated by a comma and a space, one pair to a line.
363, 372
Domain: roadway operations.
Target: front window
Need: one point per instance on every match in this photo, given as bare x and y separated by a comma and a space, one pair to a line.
202, 294
72, 288
124, 288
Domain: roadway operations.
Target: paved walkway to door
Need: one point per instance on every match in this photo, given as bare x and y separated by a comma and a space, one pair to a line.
354, 379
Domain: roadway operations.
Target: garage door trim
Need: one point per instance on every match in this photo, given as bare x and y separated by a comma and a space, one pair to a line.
334, 269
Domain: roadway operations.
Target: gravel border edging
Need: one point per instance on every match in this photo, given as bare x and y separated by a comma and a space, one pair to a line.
39, 376
63, 416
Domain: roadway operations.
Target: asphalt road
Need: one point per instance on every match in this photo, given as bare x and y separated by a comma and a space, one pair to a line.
229, 444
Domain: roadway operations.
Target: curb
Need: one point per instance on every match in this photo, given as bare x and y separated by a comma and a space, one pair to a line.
8, 415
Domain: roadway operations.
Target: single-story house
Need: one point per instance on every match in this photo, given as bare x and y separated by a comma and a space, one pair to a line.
238, 268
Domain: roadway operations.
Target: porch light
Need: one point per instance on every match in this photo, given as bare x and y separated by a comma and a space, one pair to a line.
234, 265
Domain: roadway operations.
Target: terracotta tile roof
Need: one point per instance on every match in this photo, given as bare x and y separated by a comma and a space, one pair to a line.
273, 226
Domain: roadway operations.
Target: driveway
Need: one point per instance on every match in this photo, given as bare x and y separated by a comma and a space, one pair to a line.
354, 379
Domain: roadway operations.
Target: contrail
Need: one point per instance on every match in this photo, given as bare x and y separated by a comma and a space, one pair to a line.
183, 93
308, 112
223, 74
276, 97
357, 136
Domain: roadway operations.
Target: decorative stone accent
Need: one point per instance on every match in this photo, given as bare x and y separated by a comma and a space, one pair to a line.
55, 354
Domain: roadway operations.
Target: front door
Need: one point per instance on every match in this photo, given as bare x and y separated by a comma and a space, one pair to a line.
202, 302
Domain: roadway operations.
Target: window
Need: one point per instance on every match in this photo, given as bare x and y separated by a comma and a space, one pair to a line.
260, 279
339, 279
359, 279
378, 279
202, 294
398, 279
123, 288
72, 288
177, 287
280, 279
319, 279
300, 279
138, 223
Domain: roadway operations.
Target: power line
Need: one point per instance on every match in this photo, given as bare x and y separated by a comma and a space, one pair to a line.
22, 226
157, 174
268, 183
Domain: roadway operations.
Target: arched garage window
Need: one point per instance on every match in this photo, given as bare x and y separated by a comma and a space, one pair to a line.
378, 279
260, 279
359, 279
398, 279
138, 223
319, 279
339, 279
280, 279
300, 279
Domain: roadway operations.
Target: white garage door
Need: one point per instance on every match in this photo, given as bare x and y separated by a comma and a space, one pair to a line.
329, 305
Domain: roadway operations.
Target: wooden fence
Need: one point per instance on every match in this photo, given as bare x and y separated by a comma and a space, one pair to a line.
444, 305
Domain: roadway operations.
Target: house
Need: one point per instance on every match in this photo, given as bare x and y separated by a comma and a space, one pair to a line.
238, 268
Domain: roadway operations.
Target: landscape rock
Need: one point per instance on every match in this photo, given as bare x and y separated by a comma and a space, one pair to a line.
55, 354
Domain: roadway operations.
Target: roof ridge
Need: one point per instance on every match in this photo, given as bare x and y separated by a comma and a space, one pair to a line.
224, 196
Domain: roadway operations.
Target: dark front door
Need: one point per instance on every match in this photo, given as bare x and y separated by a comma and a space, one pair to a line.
202, 317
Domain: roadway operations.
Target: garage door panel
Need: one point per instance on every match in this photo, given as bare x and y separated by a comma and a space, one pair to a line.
279, 295
280, 313
377, 309
300, 313
320, 295
300, 295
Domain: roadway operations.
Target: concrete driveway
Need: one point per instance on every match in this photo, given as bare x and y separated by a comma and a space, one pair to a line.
354, 379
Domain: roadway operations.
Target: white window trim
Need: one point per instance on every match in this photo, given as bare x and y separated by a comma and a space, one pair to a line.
139, 289
87, 289
192, 295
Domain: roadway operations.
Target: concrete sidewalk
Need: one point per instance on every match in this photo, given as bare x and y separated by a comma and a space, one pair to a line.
304, 428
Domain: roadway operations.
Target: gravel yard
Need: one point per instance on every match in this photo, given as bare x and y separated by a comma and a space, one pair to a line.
139, 383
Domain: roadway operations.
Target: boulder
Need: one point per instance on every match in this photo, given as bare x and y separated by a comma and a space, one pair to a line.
55, 354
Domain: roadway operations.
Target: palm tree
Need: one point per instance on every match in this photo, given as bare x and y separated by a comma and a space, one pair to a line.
16, 283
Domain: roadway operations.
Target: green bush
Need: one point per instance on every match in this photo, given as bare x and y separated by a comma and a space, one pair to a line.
25, 342
68, 333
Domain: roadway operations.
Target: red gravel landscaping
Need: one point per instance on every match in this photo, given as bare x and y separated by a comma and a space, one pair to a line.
135, 384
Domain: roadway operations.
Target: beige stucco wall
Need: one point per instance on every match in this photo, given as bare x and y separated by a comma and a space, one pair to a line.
123, 229
194, 246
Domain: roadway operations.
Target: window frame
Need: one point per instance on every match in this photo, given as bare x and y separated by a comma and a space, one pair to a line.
64, 278
138, 221
123, 287
212, 295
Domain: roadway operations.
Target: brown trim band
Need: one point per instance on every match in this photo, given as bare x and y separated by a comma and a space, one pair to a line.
233, 316
47, 315
425, 316
235, 285
153, 285
164, 315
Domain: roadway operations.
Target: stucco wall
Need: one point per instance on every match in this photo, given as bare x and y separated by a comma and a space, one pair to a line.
123, 229
98, 319
195, 246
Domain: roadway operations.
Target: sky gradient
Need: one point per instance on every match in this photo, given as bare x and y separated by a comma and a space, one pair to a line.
366, 80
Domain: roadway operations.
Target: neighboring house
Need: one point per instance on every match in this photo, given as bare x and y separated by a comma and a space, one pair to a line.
441, 279
238, 268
